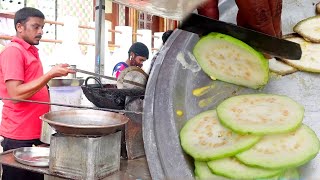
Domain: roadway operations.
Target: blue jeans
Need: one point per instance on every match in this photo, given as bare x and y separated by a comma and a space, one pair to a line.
11, 173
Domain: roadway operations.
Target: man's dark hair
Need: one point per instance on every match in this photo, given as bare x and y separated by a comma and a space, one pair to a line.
23, 14
139, 49
166, 35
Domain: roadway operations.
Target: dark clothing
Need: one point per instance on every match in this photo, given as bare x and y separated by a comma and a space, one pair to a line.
11, 173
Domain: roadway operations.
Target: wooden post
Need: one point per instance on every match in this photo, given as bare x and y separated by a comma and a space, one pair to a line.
133, 21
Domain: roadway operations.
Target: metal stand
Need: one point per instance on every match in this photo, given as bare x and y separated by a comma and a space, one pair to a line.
133, 144
79, 157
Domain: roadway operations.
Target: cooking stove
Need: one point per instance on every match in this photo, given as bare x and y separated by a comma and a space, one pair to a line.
82, 157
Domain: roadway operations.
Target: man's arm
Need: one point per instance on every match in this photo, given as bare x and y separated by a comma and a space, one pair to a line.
12, 64
209, 9
19, 90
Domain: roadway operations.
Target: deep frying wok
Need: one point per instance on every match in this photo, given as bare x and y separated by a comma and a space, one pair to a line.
107, 95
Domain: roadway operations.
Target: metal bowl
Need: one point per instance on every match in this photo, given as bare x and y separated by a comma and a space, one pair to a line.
32, 156
85, 122
56, 82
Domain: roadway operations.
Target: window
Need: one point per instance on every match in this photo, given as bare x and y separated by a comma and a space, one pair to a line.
144, 21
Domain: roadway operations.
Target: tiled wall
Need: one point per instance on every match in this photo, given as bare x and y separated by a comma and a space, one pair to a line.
82, 9
11, 5
53, 9
122, 15
56, 9
108, 24
46, 6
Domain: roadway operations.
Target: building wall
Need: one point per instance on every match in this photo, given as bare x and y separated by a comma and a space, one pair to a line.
54, 10
11, 5
83, 10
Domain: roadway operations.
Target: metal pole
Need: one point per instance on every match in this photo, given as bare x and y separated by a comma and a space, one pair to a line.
99, 36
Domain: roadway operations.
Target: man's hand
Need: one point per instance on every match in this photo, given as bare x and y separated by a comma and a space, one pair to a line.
21, 90
60, 70
209, 9
259, 15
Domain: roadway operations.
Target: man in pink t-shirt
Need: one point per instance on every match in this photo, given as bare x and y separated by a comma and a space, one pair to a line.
21, 77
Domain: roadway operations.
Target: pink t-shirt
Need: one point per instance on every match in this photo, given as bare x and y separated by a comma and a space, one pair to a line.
20, 61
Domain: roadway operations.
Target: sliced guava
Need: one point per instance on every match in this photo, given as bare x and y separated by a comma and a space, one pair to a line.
232, 168
260, 114
310, 59
290, 174
204, 138
283, 151
309, 29
203, 172
280, 67
228, 59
